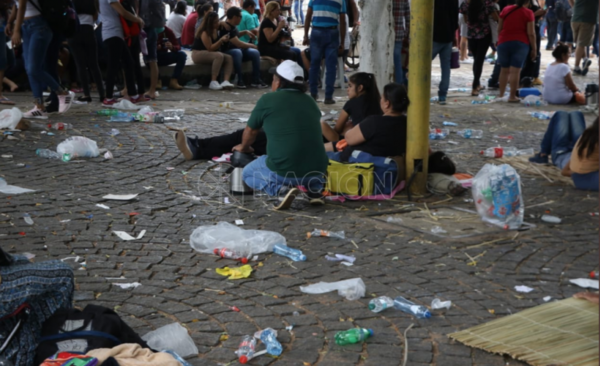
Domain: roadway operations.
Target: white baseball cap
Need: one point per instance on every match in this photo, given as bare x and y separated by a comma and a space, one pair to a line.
290, 71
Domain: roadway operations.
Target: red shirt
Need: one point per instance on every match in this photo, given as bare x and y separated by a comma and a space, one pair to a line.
514, 27
187, 35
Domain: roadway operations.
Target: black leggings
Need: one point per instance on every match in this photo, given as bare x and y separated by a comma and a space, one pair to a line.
219, 145
278, 53
136, 50
478, 48
85, 52
118, 54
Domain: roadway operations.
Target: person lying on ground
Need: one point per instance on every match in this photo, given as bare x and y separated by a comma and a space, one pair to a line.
573, 149
559, 87
363, 102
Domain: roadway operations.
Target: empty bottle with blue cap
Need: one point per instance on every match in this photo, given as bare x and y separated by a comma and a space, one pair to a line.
293, 254
269, 337
410, 307
381, 303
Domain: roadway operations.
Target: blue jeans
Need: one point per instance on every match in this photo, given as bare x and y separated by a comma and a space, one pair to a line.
445, 52
588, 182
324, 43
240, 55
563, 131
36, 38
298, 12
169, 58
512, 54
552, 33
398, 72
260, 178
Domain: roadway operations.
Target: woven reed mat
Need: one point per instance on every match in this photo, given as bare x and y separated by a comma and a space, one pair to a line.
557, 333
546, 172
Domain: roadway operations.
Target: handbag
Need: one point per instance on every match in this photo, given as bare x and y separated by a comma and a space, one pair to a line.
130, 29
353, 179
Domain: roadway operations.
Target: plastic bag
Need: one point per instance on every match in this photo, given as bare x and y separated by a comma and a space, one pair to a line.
352, 289
10, 118
78, 146
125, 105
225, 235
172, 337
497, 195
533, 100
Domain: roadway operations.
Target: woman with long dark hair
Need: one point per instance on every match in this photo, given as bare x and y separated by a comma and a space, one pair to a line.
477, 14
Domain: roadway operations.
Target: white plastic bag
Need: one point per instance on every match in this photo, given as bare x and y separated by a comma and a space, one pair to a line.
533, 100
172, 337
497, 195
8, 189
352, 289
205, 239
126, 105
9, 118
78, 146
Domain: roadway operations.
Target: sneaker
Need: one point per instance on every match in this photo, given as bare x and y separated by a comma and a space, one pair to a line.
65, 101
586, 66
315, 97
187, 146
539, 159
35, 113
442, 101
493, 86
109, 102
315, 199
287, 200
537, 81
577, 71
138, 99
192, 85
241, 86
83, 100
260, 85
214, 85
227, 85
329, 101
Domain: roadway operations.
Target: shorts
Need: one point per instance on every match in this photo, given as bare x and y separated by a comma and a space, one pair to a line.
151, 43
464, 28
512, 54
583, 33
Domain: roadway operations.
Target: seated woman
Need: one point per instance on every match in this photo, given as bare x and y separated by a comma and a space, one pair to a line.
206, 50
169, 53
363, 102
379, 135
269, 36
559, 87
573, 149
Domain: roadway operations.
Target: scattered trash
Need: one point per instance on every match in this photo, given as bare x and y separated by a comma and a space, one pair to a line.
10, 118
434, 99
524, 289
448, 123
585, 283
330, 234
232, 254
509, 137
395, 220
461, 90
206, 238
547, 298
234, 308
28, 219
59, 126
226, 200
594, 274
120, 197
102, 206
8, 189
410, 307
551, 219
498, 152
352, 289
533, 101
497, 195
239, 222
7, 156
381, 303
78, 146
172, 337
352, 336
470, 134
285, 251
235, 273
126, 105
438, 230
269, 337
123, 235
108, 155
114, 132
541, 115
438, 133
127, 286
173, 114
63, 221
480, 102
245, 350
230, 104
340, 257
49, 154
125, 117
438, 304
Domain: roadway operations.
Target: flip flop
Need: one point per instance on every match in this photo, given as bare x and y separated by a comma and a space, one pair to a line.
6, 101
288, 199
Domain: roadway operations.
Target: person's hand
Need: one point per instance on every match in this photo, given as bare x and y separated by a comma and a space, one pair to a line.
252, 45
281, 24
533, 54
8, 30
306, 41
16, 38
341, 50
169, 46
242, 149
251, 35
140, 22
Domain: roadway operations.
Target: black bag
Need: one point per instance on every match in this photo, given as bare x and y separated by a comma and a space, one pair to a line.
85, 7
59, 15
5, 258
563, 10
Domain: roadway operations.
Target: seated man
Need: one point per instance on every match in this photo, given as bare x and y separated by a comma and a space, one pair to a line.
169, 52
249, 25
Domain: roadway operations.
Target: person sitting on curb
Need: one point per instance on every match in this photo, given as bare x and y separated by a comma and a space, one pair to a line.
559, 87
169, 52
249, 23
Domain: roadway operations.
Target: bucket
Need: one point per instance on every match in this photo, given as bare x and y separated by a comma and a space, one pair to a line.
454, 63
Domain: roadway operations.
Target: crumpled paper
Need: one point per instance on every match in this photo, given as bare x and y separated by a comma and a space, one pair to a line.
585, 283
525, 289
340, 257
235, 273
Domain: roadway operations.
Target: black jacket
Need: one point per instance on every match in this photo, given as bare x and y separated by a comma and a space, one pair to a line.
445, 20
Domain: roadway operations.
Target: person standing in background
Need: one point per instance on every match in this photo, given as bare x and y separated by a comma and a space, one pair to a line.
583, 23
177, 19
401, 12
153, 14
445, 24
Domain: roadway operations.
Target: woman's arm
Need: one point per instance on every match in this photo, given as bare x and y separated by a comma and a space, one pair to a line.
208, 43
570, 83
10, 22
354, 136
16, 34
495, 16
531, 35
341, 122
500, 25
127, 15
273, 35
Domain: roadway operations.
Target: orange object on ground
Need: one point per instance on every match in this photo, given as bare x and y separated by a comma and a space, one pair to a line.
341, 145
462, 176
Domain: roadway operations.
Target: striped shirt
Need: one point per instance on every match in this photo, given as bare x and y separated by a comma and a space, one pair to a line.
401, 12
326, 13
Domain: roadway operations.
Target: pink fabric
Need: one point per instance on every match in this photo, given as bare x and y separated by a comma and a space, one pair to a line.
378, 197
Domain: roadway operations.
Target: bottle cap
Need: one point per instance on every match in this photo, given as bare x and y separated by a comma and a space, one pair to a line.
371, 306
427, 315
302, 257
370, 332
216, 251
244, 260
243, 359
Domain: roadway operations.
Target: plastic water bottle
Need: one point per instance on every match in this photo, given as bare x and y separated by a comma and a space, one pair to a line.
480, 102
121, 117
352, 336
438, 133
28, 219
447, 123
381, 303
540, 115
293, 254
410, 307
269, 337
60, 126
434, 99
51, 154
470, 134
232, 254
493, 152
245, 351
173, 114
108, 112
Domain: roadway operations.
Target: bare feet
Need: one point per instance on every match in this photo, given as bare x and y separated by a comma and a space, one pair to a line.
589, 296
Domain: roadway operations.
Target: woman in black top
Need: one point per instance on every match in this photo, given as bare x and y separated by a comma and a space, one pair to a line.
269, 35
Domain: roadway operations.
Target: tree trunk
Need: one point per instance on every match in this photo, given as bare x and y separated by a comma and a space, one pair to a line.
377, 40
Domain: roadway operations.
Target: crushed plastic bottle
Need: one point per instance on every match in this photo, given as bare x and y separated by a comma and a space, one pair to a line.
269, 337
434, 99
438, 230
498, 152
410, 307
245, 351
480, 102
461, 90
438, 133
438, 304
448, 123
107, 112
352, 336
330, 234
293, 254
27, 219
470, 134
173, 114
50, 154
232, 254
594, 274
114, 132
381, 303
540, 115
60, 126
126, 117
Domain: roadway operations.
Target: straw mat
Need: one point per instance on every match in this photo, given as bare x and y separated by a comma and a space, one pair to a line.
546, 172
557, 333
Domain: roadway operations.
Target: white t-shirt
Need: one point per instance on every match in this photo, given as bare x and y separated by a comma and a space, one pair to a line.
86, 19
175, 23
111, 24
555, 88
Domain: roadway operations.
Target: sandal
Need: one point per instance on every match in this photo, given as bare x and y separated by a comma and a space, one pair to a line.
6, 101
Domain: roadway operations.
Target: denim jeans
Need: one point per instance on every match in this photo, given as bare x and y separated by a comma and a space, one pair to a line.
552, 33
398, 72
260, 178
324, 43
169, 58
445, 52
36, 36
298, 12
240, 55
588, 182
563, 131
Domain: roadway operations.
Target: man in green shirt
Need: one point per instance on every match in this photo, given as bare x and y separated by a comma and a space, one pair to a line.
583, 23
249, 23
295, 152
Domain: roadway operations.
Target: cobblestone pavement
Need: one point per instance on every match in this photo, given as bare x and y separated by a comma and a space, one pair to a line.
181, 285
